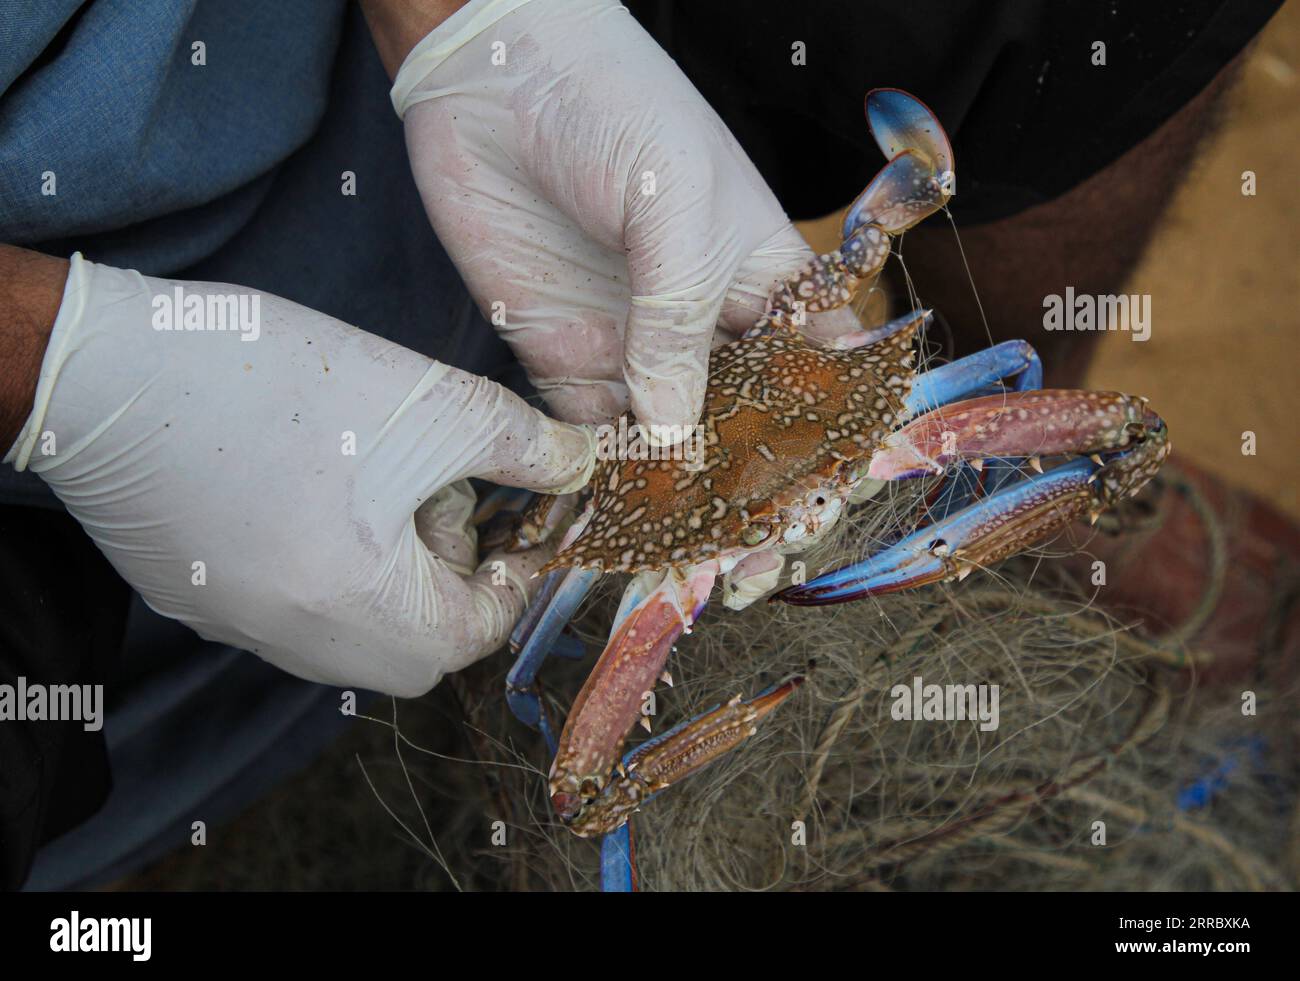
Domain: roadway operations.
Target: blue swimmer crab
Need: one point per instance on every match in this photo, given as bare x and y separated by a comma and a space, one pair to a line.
795, 430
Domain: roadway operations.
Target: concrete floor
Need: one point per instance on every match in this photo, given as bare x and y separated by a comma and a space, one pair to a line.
1223, 271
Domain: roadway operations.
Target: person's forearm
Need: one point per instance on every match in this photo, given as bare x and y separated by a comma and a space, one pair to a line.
398, 25
31, 288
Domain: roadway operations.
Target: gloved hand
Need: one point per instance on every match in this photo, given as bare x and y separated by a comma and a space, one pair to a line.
296, 488
602, 215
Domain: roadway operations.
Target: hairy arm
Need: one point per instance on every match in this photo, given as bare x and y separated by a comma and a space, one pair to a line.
31, 288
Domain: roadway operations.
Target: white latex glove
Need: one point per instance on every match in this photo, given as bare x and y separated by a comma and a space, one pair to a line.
535, 130
197, 446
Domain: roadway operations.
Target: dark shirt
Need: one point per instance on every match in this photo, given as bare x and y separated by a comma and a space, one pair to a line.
1014, 83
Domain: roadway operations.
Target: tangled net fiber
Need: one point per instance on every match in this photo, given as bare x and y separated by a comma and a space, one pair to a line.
1090, 780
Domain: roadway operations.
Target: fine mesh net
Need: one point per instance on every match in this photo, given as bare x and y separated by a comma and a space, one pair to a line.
1106, 769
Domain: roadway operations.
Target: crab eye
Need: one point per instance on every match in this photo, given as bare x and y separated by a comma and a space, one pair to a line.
754, 535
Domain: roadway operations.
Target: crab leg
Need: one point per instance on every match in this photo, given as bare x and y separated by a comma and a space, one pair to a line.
537, 636
979, 535
539, 632
607, 707
976, 374
500, 501
618, 872
587, 791
668, 758
1043, 422
917, 181
1015, 517
687, 748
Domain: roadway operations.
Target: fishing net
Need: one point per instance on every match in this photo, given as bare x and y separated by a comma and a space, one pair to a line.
1107, 768
1112, 766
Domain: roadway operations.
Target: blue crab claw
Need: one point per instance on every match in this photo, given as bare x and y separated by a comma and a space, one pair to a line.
919, 178
1039, 423
901, 122
993, 529
1013, 519
905, 192
654, 613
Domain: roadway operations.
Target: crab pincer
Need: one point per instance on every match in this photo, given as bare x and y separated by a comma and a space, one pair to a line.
1125, 443
919, 178
672, 756
608, 704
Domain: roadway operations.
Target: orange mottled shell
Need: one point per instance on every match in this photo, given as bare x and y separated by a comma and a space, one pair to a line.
781, 418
